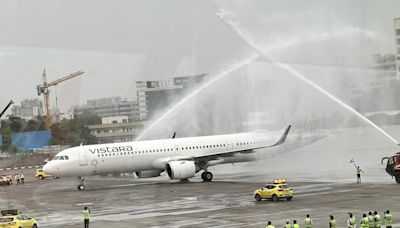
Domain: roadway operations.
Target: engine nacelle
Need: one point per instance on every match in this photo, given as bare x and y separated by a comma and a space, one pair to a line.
180, 169
148, 173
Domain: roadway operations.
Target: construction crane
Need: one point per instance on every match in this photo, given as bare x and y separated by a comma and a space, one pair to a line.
44, 89
5, 109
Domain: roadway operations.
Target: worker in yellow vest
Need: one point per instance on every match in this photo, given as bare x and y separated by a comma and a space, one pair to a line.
332, 222
371, 220
351, 222
22, 177
388, 219
287, 225
364, 222
86, 217
270, 225
17, 178
295, 225
378, 221
308, 222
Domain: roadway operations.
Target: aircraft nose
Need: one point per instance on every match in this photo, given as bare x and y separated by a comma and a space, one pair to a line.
49, 168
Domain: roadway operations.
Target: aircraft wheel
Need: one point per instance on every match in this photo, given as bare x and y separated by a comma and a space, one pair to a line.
207, 176
81, 187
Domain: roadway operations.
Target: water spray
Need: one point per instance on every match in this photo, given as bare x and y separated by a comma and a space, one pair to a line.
219, 76
300, 76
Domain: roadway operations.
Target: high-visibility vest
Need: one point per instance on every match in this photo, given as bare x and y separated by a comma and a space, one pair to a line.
378, 221
270, 226
364, 222
358, 170
296, 225
371, 221
388, 219
288, 226
333, 223
86, 214
351, 222
308, 223
22, 176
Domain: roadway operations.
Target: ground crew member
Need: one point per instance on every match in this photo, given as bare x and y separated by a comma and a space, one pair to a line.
332, 223
308, 222
295, 225
364, 222
22, 178
86, 216
388, 219
351, 222
16, 177
287, 225
359, 171
270, 225
371, 220
378, 221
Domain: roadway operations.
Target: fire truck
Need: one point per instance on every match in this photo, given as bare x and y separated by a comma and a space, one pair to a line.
393, 166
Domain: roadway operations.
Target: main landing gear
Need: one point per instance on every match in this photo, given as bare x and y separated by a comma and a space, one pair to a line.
207, 176
81, 187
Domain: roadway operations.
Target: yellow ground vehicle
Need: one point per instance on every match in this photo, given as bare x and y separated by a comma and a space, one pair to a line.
274, 191
41, 174
15, 220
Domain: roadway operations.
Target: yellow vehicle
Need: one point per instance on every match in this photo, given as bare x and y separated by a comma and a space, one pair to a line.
41, 174
15, 220
274, 191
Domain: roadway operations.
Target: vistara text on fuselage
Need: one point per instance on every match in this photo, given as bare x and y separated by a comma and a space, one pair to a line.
181, 158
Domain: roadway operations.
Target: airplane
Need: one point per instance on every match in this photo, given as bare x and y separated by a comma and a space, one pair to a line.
181, 158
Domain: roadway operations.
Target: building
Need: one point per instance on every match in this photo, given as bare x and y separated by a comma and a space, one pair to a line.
28, 109
157, 95
116, 129
397, 39
111, 106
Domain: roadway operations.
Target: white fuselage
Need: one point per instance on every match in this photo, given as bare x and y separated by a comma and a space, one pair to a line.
155, 154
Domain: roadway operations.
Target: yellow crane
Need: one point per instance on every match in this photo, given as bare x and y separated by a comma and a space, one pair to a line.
44, 89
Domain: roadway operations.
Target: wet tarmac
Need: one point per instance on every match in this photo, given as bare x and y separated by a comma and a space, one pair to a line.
226, 202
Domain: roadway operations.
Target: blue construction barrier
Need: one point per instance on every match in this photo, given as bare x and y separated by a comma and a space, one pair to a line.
31, 139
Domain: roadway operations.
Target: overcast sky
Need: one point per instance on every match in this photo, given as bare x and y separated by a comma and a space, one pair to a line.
119, 42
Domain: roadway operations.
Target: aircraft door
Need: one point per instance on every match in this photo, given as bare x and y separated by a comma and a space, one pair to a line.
229, 145
83, 158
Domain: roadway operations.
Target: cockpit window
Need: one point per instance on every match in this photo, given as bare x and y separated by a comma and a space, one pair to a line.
62, 157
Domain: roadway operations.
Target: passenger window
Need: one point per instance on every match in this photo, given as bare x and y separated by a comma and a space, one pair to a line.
66, 157
61, 158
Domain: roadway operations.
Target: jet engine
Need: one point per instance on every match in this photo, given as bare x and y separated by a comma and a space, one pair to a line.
148, 173
180, 169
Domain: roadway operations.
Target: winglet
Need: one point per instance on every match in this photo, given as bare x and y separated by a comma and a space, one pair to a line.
284, 136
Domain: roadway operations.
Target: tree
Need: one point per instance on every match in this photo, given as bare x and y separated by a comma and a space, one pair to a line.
75, 131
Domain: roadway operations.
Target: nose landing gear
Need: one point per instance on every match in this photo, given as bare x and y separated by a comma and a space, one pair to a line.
81, 187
